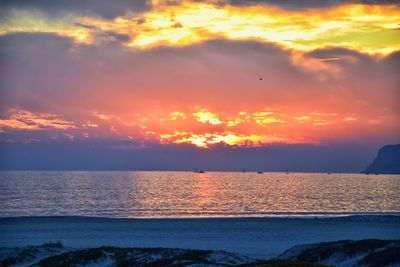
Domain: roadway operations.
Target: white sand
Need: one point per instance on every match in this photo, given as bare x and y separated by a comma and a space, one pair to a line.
254, 237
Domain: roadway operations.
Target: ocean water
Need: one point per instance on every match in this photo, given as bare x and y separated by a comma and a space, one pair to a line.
186, 194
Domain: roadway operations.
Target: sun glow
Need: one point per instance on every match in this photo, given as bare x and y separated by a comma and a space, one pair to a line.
206, 117
207, 139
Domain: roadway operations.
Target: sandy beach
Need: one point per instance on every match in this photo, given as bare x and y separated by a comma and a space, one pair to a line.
255, 237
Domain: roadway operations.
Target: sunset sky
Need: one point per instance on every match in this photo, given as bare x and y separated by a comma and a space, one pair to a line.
310, 85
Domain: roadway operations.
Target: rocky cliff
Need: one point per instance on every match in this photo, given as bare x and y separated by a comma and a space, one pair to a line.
387, 161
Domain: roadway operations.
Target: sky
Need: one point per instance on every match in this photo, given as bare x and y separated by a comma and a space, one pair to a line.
268, 85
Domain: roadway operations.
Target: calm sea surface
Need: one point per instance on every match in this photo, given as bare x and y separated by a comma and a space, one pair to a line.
188, 194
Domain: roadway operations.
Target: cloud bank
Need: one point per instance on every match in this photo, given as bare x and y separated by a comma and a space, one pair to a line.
189, 75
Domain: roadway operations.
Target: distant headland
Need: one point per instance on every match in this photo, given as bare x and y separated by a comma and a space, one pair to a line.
386, 162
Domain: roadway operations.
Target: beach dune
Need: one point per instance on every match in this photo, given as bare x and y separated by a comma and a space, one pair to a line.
260, 238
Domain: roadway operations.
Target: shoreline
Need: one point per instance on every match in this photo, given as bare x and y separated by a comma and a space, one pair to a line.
254, 237
395, 216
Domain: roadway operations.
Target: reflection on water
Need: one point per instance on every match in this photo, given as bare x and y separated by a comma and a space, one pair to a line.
187, 194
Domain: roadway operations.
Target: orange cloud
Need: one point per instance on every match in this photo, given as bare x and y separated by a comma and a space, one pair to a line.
26, 120
202, 130
177, 115
265, 118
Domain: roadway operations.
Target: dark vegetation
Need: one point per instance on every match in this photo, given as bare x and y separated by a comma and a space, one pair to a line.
371, 252
127, 257
29, 253
283, 263
24, 255
368, 253
389, 256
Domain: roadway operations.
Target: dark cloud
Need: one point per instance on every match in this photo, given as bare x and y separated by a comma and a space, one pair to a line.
90, 27
23, 66
177, 25
393, 61
48, 73
141, 21
111, 37
113, 155
105, 36
374, 80
43, 70
342, 55
104, 8
296, 4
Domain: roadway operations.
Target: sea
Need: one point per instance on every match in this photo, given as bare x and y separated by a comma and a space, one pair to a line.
162, 194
